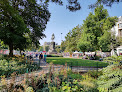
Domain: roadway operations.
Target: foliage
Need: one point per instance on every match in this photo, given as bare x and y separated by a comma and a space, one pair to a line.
71, 39
104, 2
94, 73
76, 62
16, 64
58, 49
63, 46
46, 48
111, 79
74, 5
21, 20
40, 48
74, 75
2, 45
61, 81
96, 35
12, 26
54, 55
113, 59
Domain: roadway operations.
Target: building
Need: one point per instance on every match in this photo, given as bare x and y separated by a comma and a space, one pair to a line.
117, 29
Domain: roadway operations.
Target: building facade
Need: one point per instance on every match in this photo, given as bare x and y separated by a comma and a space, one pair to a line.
117, 29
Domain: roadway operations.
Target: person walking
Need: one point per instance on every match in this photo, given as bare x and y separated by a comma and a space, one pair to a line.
45, 57
40, 57
36, 55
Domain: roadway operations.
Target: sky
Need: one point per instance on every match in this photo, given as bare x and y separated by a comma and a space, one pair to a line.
62, 20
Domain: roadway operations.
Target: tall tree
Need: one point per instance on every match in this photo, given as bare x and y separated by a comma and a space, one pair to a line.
96, 29
12, 26
18, 17
71, 39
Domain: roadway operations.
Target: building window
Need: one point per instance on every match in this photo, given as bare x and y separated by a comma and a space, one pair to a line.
120, 25
121, 33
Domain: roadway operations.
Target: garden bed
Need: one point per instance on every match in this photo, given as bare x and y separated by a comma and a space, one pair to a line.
16, 64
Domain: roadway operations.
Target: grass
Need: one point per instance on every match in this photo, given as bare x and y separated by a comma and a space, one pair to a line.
76, 62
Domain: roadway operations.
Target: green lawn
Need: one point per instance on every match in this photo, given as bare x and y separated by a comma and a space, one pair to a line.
75, 62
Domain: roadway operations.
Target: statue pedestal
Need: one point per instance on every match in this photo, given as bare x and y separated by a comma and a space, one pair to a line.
52, 48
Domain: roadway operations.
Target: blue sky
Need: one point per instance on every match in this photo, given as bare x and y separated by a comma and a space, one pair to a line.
62, 20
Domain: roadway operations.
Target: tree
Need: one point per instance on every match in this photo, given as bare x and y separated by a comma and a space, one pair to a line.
71, 39
58, 49
46, 48
40, 48
96, 29
20, 17
2, 45
74, 5
12, 26
63, 46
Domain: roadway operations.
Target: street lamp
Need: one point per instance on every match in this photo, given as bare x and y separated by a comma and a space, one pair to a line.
61, 37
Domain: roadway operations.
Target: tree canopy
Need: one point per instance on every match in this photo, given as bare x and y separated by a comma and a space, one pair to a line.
96, 31
94, 34
74, 5
71, 39
21, 20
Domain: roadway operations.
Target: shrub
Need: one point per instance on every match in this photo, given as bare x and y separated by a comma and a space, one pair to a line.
111, 79
54, 56
16, 64
94, 73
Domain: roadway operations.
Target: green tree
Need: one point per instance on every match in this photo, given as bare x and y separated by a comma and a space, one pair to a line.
20, 17
74, 5
46, 48
96, 29
71, 39
40, 48
2, 45
12, 26
63, 46
58, 48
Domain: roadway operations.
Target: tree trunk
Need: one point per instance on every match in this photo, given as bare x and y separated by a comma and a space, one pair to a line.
11, 49
83, 53
20, 53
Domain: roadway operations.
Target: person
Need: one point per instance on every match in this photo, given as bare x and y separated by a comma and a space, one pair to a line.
45, 57
40, 57
36, 55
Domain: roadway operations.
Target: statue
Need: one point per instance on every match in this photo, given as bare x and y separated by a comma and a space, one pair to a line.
53, 37
52, 46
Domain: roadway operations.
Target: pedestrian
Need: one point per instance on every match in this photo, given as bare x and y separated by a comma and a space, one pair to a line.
40, 58
45, 57
36, 55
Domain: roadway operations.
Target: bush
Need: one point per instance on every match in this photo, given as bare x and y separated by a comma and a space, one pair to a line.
16, 64
111, 80
113, 59
94, 74
97, 57
54, 56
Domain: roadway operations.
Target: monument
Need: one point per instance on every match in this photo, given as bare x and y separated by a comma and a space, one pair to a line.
52, 46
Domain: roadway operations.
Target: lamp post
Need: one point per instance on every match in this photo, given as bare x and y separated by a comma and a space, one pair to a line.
61, 37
